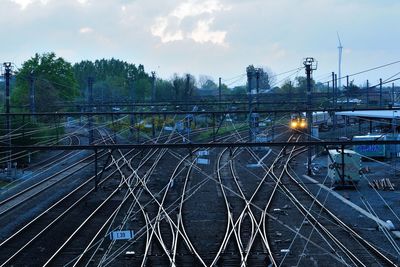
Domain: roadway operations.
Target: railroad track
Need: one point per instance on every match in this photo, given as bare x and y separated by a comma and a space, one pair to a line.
132, 183
318, 228
246, 227
13, 201
158, 194
60, 208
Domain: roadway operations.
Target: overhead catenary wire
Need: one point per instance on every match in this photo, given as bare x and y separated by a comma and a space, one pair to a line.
366, 70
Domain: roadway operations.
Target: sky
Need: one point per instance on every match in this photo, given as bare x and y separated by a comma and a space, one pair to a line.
218, 38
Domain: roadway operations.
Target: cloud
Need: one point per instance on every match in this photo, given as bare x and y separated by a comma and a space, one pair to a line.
177, 26
85, 30
202, 33
25, 3
195, 8
159, 29
221, 36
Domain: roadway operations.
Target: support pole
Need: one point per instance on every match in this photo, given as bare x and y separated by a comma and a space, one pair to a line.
258, 87
219, 93
153, 87
187, 91
309, 63
392, 94
153, 99
380, 93
367, 93
249, 80
7, 77
333, 90
347, 86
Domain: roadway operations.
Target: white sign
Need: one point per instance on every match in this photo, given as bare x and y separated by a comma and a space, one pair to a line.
122, 235
203, 161
168, 128
203, 153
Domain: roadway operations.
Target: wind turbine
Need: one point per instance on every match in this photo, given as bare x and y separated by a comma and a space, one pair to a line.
340, 47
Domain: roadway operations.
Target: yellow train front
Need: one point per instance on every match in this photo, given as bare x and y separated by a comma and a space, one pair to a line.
298, 124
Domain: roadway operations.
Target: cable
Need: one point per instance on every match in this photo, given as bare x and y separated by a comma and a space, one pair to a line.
368, 70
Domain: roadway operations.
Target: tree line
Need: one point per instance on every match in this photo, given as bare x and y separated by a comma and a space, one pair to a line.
57, 81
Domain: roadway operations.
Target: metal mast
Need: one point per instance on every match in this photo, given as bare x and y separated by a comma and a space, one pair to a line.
7, 76
310, 65
340, 47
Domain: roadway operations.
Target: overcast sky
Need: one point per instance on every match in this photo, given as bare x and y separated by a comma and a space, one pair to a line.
212, 37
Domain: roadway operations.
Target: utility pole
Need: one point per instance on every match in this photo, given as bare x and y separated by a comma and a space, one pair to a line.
310, 65
258, 86
187, 90
347, 87
346, 118
7, 76
340, 47
334, 99
153, 98
219, 93
90, 89
380, 93
333, 90
186, 107
153, 86
367, 93
393, 94
249, 80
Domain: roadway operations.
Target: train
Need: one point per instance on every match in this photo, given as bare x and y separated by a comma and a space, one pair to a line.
323, 120
298, 123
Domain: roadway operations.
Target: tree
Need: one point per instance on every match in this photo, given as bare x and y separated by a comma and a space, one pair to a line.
164, 90
239, 90
209, 85
301, 85
352, 90
264, 81
287, 87
183, 86
54, 81
114, 78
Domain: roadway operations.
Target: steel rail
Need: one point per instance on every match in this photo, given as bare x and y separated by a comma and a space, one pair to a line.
118, 168
366, 243
20, 231
54, 221
307, 214
255, 223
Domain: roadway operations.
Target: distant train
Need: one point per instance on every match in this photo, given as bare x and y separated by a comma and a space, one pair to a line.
298, 122
323, 120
